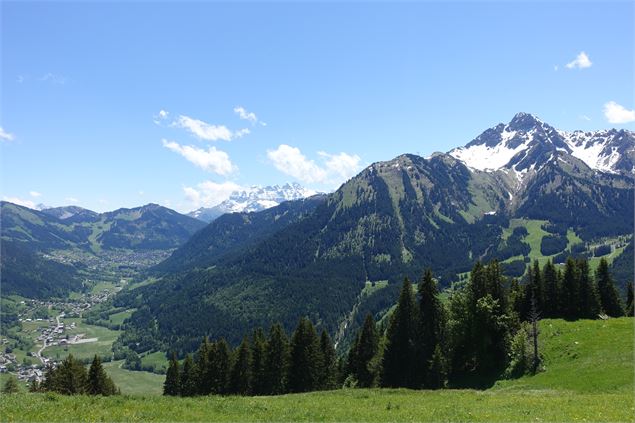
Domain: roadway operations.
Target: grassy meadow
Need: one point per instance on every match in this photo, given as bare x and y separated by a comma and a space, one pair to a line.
588, 376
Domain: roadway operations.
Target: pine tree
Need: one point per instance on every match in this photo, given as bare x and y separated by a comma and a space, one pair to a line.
550, 276
400, 357
629, 299
203, 369
589, 299
570, 290
305, 358
609, 299
189, 377
172, 385
71, 377
432, 324
11, 386
437, 370
277, 361
258, 372
220, 365
240, 377
365, 349
99, 383
328, 376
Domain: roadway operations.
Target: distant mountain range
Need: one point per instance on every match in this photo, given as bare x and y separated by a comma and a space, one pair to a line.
253, 199
30, 236
519, 191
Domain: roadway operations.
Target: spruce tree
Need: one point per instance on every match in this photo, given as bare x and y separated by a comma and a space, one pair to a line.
172, 385
551, 279
609, 299
99, 383
431, 331
240, 377
305, 358
258, 372
365, 349
71, 377
400, 358
437, 370
570, 290
328, 376
189, 377
11, 386
589, 299
277, 361
203, 369
220, 365
629, 299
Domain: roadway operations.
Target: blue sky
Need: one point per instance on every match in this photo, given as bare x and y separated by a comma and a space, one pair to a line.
118, 104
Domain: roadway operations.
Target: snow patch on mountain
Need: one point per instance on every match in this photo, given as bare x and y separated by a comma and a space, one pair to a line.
254, 198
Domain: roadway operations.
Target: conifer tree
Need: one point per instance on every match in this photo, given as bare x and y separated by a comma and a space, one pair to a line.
258, 352
11, 386
400, 357
277, 361
71, 377
431, 331
172, 385
189, 377
437, 370
365, 349
552, 290
99, 383
609, 299
328, 376
305, 358
220, 366
203, 369
240, 377
629, 299
589, 300
570, 290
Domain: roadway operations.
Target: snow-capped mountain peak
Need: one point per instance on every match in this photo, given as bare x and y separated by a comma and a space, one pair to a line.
527, 142
254, 198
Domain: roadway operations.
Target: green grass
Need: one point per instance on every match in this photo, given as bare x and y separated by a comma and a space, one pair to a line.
588, 377
134, 383
101, 347
157, 358
118, 318
100, 286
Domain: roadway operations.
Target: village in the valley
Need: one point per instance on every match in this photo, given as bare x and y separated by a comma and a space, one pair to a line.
48, 332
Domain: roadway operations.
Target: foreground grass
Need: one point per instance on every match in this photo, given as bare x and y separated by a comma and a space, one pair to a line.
343, 405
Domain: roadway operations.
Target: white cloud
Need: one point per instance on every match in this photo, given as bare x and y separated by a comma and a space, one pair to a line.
581, 61
53, 78
71, 200
6, 136
204, 130
585, 117
160, 117
245, 115
20, 202
616, 113
211, 160
35, 194
336, 167
210, 194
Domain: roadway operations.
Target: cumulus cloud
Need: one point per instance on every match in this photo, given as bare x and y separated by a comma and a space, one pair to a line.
6, 136
160, 117
34, 194
211, 160
245, 115
209, 193
20, 202
616, 113
581, 61
335, 167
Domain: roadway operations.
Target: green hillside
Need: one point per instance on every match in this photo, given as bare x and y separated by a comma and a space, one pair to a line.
588, 377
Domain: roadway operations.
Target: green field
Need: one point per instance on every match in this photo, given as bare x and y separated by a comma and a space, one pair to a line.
102, 347
588, 377
118, 318
134, 383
